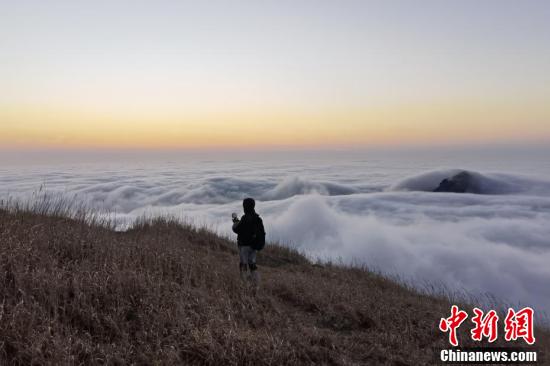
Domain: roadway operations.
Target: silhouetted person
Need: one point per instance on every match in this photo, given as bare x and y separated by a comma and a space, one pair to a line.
250, 239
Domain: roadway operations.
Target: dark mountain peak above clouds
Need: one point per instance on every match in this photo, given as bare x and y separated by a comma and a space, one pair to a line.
462, 182
468, 181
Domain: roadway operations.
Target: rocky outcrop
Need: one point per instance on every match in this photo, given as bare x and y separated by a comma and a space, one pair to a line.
463, 182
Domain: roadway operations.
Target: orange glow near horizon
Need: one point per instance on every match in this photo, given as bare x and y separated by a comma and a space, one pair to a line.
201, 75
47, 127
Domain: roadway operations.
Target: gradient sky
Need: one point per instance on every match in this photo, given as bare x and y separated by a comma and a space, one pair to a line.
177, 74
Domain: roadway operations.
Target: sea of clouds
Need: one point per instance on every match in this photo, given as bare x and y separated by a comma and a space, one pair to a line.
379, 213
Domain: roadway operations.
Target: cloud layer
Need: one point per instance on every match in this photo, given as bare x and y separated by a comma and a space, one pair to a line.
478, 244
496, 243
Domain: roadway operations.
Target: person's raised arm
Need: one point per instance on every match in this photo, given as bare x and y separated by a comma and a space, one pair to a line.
236, 224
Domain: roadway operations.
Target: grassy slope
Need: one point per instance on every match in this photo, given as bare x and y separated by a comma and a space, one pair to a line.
163, 293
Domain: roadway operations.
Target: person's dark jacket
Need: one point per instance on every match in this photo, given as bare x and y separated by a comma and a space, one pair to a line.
246, 229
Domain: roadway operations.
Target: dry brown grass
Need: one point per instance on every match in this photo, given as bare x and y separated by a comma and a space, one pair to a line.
76, 293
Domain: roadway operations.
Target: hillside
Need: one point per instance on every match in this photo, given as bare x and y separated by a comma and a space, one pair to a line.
165, 293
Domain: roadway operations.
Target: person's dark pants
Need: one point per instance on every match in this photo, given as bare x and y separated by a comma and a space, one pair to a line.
247, 257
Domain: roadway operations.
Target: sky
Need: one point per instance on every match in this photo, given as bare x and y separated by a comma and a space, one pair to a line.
273, 74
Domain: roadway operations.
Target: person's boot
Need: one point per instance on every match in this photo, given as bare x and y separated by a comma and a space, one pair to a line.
255, 279
254, 276
243, 268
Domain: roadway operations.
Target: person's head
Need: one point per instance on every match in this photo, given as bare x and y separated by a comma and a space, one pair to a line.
248, 205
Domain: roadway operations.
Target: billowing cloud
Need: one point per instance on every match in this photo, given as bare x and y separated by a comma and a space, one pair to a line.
477, 244
495, 243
